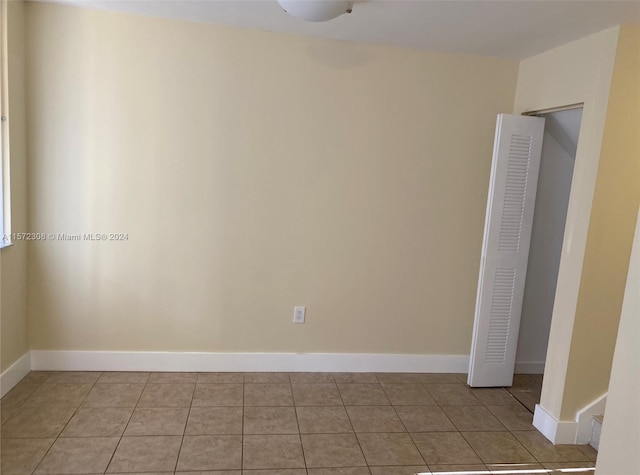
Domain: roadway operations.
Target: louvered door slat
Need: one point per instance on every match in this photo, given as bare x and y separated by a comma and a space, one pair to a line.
505, 249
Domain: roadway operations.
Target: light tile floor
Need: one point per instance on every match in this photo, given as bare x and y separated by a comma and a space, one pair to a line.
526, 389
271, 424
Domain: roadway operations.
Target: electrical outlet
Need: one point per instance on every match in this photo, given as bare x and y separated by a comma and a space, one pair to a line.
298, 314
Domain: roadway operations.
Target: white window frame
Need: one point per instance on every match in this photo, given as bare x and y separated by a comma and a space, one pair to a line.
5, 195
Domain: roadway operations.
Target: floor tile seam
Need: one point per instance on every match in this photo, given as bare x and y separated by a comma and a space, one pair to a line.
518, 400
128, 422
333, 380
486, 467
295, 410
197, 406
65, 425
186, 423
120, 382
20, 405
335, 386
109, 407
98, 437
334, 467
322, 383
414, 405
244, 393
440, 432
386, 431
540, 461
321, 433
244, 401
352, 427
565, 461
504, 428
266, 382
260, 405
489, 406
138, 436
513, 431
390, 401
410, 438
42, 458
219, 382
264, 433
512, 435
426, 388
83, 406
402, 422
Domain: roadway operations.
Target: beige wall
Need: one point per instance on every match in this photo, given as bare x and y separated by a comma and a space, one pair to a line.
253, 172
13, 272
618, 453
611, 229
579, 72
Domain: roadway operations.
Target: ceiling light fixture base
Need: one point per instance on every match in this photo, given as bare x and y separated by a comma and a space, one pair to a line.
316, 10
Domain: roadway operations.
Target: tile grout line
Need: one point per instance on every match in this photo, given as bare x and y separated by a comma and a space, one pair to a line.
186, 423
353, 428
474, 450
26, 398
67, 423
518, 401
295, 410
442, 406
127, 424
509, 432
18, 409
405, 427
460, 432
244, 382
426, 387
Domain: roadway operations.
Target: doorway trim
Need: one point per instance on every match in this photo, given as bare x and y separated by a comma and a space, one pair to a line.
546, 415
578, 72
560, 225
577, 105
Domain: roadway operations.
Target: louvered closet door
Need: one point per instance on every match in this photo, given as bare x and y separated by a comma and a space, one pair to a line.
505, 249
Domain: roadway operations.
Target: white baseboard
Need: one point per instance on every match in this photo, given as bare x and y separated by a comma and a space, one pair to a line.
529, 367
584, 418
558, 432
569, 432
43, 360
14, 373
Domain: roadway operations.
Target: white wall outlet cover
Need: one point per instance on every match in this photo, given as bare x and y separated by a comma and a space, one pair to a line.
298, 314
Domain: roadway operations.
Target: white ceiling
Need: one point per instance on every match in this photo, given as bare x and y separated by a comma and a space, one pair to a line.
512, 29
